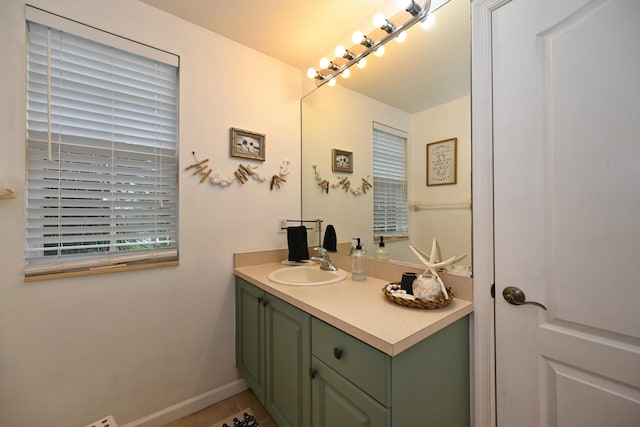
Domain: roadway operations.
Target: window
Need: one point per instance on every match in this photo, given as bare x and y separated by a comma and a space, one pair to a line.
101, 150
389, 182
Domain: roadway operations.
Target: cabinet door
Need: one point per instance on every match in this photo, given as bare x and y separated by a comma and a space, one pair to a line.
288, 358
338, 403
250, 345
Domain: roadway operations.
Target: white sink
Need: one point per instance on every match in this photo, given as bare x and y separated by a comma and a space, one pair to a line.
306, 276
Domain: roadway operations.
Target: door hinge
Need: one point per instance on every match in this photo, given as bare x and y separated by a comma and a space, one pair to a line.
493, 290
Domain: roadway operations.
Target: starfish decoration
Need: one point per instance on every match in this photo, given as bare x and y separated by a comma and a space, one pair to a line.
433, 265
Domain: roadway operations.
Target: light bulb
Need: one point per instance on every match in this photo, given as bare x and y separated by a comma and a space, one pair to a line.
311, 73
428, 21
346, 73
401, 37
332, 82
324, 62
362, 63
379, 19
404, 4
379, 51
357, 37
340, 51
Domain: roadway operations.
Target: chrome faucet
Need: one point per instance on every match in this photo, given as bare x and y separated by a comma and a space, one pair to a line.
324, 260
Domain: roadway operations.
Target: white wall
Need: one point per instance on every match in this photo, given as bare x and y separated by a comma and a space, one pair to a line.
134, 343
329, 122
451, 227
330, 115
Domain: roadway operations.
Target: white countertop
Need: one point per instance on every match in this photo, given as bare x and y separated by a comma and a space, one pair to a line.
361, 309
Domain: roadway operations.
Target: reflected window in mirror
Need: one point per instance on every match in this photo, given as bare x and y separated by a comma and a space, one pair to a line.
390, 208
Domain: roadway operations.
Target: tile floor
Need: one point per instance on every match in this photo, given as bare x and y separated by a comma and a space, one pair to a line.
221, 410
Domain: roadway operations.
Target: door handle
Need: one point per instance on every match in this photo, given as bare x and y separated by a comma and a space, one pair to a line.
515, 296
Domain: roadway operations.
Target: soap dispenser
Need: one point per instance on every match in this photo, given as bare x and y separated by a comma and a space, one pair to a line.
382, 252
358, 271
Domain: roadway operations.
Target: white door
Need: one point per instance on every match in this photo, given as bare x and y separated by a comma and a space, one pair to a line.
566, 135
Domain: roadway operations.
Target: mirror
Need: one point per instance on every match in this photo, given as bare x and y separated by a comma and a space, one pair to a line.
420, 88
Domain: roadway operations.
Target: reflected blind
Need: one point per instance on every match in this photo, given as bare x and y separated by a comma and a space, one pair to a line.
389, 184
101, 154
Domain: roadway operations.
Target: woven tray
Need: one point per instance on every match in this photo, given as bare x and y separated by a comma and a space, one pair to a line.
416, 303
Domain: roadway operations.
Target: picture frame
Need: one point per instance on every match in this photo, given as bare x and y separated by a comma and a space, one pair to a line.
442, 162
247, 144
341, 161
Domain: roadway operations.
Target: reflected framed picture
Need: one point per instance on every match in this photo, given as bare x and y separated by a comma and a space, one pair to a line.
442, 162
341, 161
249, 145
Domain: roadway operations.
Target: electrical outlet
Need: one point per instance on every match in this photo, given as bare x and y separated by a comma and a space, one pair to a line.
282, 225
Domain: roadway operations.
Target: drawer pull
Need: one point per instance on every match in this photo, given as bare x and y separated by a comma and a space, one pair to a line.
337, 352
312, 373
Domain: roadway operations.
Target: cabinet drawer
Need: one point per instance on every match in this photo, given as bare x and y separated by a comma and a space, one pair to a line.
363, 365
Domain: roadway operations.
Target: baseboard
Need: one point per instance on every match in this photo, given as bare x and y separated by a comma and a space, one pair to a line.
189, 406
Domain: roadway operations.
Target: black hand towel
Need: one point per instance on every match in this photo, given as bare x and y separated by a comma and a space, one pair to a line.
330, 241
297, 241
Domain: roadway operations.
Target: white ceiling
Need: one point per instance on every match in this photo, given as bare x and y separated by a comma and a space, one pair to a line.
300, 32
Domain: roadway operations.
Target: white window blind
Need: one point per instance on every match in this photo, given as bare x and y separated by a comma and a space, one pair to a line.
101, 154
389, 182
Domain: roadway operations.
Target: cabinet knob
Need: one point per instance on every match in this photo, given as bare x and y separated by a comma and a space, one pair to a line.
263, 301
312, 373
337, 352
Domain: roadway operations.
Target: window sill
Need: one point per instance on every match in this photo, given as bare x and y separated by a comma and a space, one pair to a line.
390, 238
101, 270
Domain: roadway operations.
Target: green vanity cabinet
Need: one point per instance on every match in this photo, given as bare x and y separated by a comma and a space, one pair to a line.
425, 385
273, 353
310, 373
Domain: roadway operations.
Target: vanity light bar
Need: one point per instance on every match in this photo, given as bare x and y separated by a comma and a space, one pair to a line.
346, 58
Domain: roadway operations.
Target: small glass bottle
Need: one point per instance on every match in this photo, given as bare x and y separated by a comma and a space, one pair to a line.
358, 268
382, 252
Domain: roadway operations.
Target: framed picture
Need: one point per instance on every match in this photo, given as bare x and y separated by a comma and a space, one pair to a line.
441, 162
250, 145
341, 161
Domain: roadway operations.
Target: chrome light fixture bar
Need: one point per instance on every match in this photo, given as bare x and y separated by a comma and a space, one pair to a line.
364, 45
